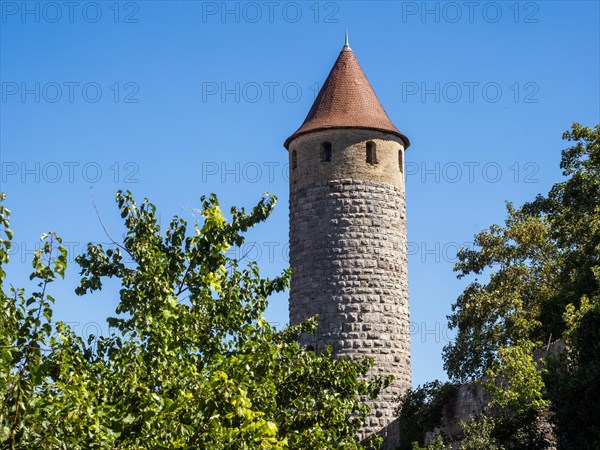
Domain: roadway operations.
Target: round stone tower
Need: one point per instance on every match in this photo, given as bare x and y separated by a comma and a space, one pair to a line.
348, 233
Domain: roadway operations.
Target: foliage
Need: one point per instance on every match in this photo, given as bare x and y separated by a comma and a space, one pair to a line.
515, 382
421, 410
478, 434
435, 444
545, 287
193, 363
545, 257
543, 284
516, 386
576, 377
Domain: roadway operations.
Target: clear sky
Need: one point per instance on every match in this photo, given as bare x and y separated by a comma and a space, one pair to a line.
173, 100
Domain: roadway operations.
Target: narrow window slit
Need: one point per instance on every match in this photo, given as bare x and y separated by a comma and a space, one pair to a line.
326, 151
371, 153
401, 161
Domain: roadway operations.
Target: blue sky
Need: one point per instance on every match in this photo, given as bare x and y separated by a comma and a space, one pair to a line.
173, 100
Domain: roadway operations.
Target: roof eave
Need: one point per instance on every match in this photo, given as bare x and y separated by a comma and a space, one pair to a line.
297, 134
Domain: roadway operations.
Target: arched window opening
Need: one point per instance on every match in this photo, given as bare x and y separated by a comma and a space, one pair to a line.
326, 151
401, 161
371, 153
294, 160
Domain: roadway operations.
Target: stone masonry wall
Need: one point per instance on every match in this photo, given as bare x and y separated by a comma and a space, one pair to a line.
348, 256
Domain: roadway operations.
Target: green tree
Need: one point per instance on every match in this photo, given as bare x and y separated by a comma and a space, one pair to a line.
545, 286
478, 434
545, 257
421, 410
542, 271
193, 363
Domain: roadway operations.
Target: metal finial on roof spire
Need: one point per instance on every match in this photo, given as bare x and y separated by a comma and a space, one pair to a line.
347, 45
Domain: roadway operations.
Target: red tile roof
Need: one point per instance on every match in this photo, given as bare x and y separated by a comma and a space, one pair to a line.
347, 100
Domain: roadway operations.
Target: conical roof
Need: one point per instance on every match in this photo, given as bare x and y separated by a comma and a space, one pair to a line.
346, 100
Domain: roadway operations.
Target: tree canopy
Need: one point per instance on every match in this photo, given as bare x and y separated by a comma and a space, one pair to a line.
543, 285
192, 362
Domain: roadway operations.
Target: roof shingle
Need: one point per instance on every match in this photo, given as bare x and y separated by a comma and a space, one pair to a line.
346, 100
